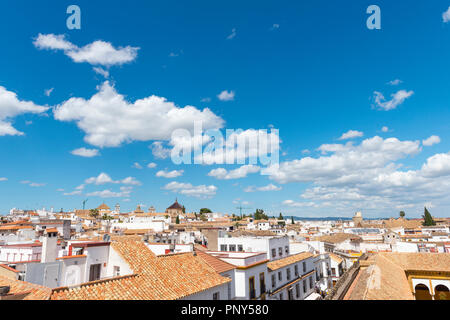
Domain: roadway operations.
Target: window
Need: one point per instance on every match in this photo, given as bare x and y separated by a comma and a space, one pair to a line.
288, 274
304, 286
262, 283
274, 253
297, 290
240, 247
280, 251
223, 247
280, 276
251, 287
310, 282
216, 296
281, 296
296, 270
232, 247
286, 249
274, 281
116, 271
304, 267
333, 272
94, 272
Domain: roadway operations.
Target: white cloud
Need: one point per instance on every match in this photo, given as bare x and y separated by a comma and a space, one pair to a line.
351, 134
158, 150
232, 35
33, 184
169, 174
275, 26
83, 152
151, 165
269, 187
207, 99
101, 71
11, 106
108, 120
241, 172
188, 189
397, 99
368, 176
95, 53
124, 192
395, 82
48, 92
104, 178
431, 141
226, 95
73, 193
137, 165
385, 129
3, 179
446, 15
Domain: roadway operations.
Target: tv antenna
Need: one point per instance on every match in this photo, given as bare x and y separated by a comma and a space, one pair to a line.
84, 203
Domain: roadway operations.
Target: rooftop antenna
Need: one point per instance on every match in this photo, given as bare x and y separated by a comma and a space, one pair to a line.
84, 203
240, 209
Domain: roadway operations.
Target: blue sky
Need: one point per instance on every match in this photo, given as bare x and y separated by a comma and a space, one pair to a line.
311, 69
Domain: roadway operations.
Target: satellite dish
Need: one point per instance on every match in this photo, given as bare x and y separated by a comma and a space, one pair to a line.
106, 238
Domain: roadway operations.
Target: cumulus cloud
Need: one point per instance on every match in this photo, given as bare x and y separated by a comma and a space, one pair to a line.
137, 165
431, 141
104, 178
395, 82
241, 172
84, 152
169, 174
151, 165
269, 187
48, 92
226, 95
10, 107
158, 150
446, 15
351, 134
95, 53
108, 120
188, 189
232, 34
397, 99
368, 176
124, 192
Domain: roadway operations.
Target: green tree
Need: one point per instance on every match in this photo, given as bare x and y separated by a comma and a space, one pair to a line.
205, 210
259, 215
94, 213
184, 209
177, 221
402, 214
203, 217
428, 219
280, 217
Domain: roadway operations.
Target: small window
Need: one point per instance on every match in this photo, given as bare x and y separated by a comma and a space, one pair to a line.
281, 296
240, 248
310, 282
297, 290
232, 247
288, 274
116, 271
274, 281
216, 296
280, 251
280, 276
286, 249
296, 270
304, 286
223, 247
274, 253
304, 267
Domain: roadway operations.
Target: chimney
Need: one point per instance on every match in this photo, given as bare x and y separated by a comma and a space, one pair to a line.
49, 245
